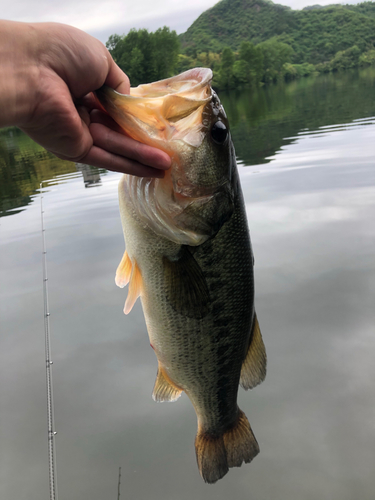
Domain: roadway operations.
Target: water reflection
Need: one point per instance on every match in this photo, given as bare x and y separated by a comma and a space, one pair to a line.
23, 166
91, 175
311, 209
264, 120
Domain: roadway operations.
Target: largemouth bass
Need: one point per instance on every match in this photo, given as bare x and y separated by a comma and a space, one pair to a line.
188, 256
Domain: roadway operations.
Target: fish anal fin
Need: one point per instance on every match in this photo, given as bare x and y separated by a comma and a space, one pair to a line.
164, 389
186, 286
135, 287
253, 370
123, 271
216, 454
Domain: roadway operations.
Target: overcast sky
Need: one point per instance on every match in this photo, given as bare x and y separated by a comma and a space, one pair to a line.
103, 18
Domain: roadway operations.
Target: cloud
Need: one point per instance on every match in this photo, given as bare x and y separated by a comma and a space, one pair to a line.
102, 19
113, 15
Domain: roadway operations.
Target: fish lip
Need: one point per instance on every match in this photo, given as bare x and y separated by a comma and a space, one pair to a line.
203, 76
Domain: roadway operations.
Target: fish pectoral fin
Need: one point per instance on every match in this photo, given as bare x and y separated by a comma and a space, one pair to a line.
164, 389
253, 370
135, 287
123, 271
186, 285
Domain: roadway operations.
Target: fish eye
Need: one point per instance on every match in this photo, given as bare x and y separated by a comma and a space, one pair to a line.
219, 132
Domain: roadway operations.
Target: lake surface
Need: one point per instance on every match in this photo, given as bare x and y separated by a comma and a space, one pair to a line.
306, 156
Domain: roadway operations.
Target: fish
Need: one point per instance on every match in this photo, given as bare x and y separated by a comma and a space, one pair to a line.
189, 258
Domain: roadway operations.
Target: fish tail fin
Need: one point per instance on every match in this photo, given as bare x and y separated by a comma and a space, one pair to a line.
217, 454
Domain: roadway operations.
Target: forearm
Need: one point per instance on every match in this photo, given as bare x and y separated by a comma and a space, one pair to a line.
18, 72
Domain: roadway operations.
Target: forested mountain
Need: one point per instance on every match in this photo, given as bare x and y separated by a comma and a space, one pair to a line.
230, 22
366, 8
253, 42
316, 34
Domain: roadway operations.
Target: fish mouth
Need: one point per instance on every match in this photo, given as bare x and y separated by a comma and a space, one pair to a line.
163, 111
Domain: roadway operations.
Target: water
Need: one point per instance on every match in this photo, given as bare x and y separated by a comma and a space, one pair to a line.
306, 160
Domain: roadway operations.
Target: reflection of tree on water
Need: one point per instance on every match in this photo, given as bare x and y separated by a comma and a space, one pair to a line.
91, 175
23, 166
19, 172
263, 120
14, 166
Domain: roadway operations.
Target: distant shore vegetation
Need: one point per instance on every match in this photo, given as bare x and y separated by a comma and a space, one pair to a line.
305, 43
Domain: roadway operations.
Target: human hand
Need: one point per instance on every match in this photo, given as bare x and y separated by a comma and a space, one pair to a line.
50, 71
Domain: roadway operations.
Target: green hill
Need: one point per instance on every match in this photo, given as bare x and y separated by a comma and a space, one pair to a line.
316, 34
230, 22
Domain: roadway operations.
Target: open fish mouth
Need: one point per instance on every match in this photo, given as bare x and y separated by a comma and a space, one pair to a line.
159, 112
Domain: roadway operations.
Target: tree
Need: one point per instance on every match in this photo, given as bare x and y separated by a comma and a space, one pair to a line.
184, 63
144, 56
136, 68
275, 55
225, 74
250, 62
112, 41
166, 47
346, 59
241, 72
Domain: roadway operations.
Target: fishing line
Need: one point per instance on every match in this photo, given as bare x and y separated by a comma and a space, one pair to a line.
49, 384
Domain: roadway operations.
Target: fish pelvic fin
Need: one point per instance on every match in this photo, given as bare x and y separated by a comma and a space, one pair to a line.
135, 287
164, 389
123, 271
253, 370
217, 454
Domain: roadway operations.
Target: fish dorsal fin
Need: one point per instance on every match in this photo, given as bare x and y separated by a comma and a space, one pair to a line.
135, 286
253, 369
164, 389
123, 271
186, 286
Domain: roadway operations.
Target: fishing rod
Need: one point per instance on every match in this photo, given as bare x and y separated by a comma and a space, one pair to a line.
49, 384
119, 483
